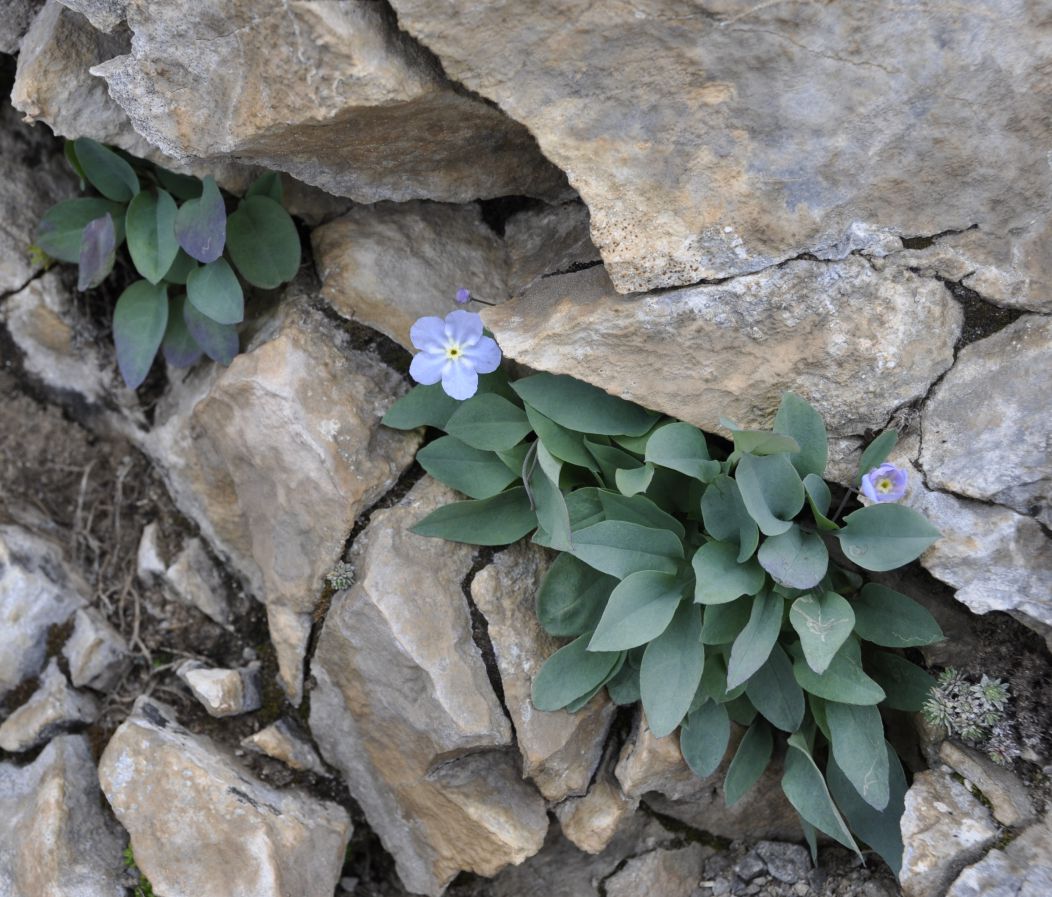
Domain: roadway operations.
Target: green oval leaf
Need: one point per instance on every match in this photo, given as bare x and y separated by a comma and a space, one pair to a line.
843, 680
906, 684
633, 482
823, 622
421, 406
889, 618
620, 548
151, 234
682, 447
763, 442
566, 445
671, 671
108, 173
819, 498
726, 517
885, 536
553, 516
218, 341
201, 224
856, 734
774, 692
750, 761
719, 578
876, 453
213, 289
753, 645
771, 490
637, 509
722, 622
704, 738
179, 347
805, 788
263, 242
794, 558
489, 422
268, 185
582, 407
624, 687
571, 673
98, 250
572, 597
180, 269
500, 520
476, 473
796, 418
181, 186
640, 609
60, 230
140, 319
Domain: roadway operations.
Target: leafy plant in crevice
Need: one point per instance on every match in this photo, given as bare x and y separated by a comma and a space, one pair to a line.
975, 712
191, 254
703, 586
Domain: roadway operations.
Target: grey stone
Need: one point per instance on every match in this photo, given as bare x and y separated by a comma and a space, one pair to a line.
38, 590
788, 863
944, 829
194, 579
1023, 868
715, 140
749, 867
202, 826
223, 692
53, 708
1008, 797
96, 653
335, 94
55, 837
105, 15
668, 872
150, 563
591, 822
275, 456
283, 742
18, 16
560, 750
403, 707
986, 430
854, 342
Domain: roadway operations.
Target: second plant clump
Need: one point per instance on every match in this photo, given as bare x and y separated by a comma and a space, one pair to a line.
186, 248
702, 586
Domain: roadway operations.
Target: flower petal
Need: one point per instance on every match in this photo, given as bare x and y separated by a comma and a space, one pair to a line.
429, 333
463, 328
427, 367
867, 486
459, 380
484, 355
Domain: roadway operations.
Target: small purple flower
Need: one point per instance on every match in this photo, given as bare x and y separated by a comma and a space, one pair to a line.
463, 296
884, 483
453, 351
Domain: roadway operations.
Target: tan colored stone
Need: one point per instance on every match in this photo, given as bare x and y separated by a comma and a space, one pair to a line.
403, 708
194, 579
854, 342
223, 692
105, 15
202, 826
55, 837
672, 872
1023, 868
592, 821
944, 829
718, 139
560, 750
335, 94
283, 742
54, 708
1008, 797
277, 455
96, 653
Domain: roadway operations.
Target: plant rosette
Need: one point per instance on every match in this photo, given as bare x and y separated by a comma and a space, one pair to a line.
194, 258
701, 582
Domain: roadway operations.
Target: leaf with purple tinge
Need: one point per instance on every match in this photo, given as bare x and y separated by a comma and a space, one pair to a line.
218, 341
139, 322
200, 224
180, 348
98, 249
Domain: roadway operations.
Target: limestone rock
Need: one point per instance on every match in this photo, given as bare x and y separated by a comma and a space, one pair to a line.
275, 456
1023, 868
944, 829
223, 692
403, 707
854, 342
789, 863
202, 826
150, 563
33, 177
194, 579
546, 239
55, 837
38, 590
105, 15
716, 140
18, 16
54, 708
335, 94
1008, 797
654, 769
96, 653
560, 751
669, 872
283, 742
592, 821
987, 433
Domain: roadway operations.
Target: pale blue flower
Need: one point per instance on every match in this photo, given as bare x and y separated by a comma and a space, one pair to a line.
453, 351
463, 296
884, 483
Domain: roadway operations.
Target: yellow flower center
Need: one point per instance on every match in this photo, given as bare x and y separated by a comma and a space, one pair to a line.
452, 352
884, 485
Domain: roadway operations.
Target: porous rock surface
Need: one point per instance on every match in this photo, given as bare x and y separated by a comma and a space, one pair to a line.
404, 709
202, 826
